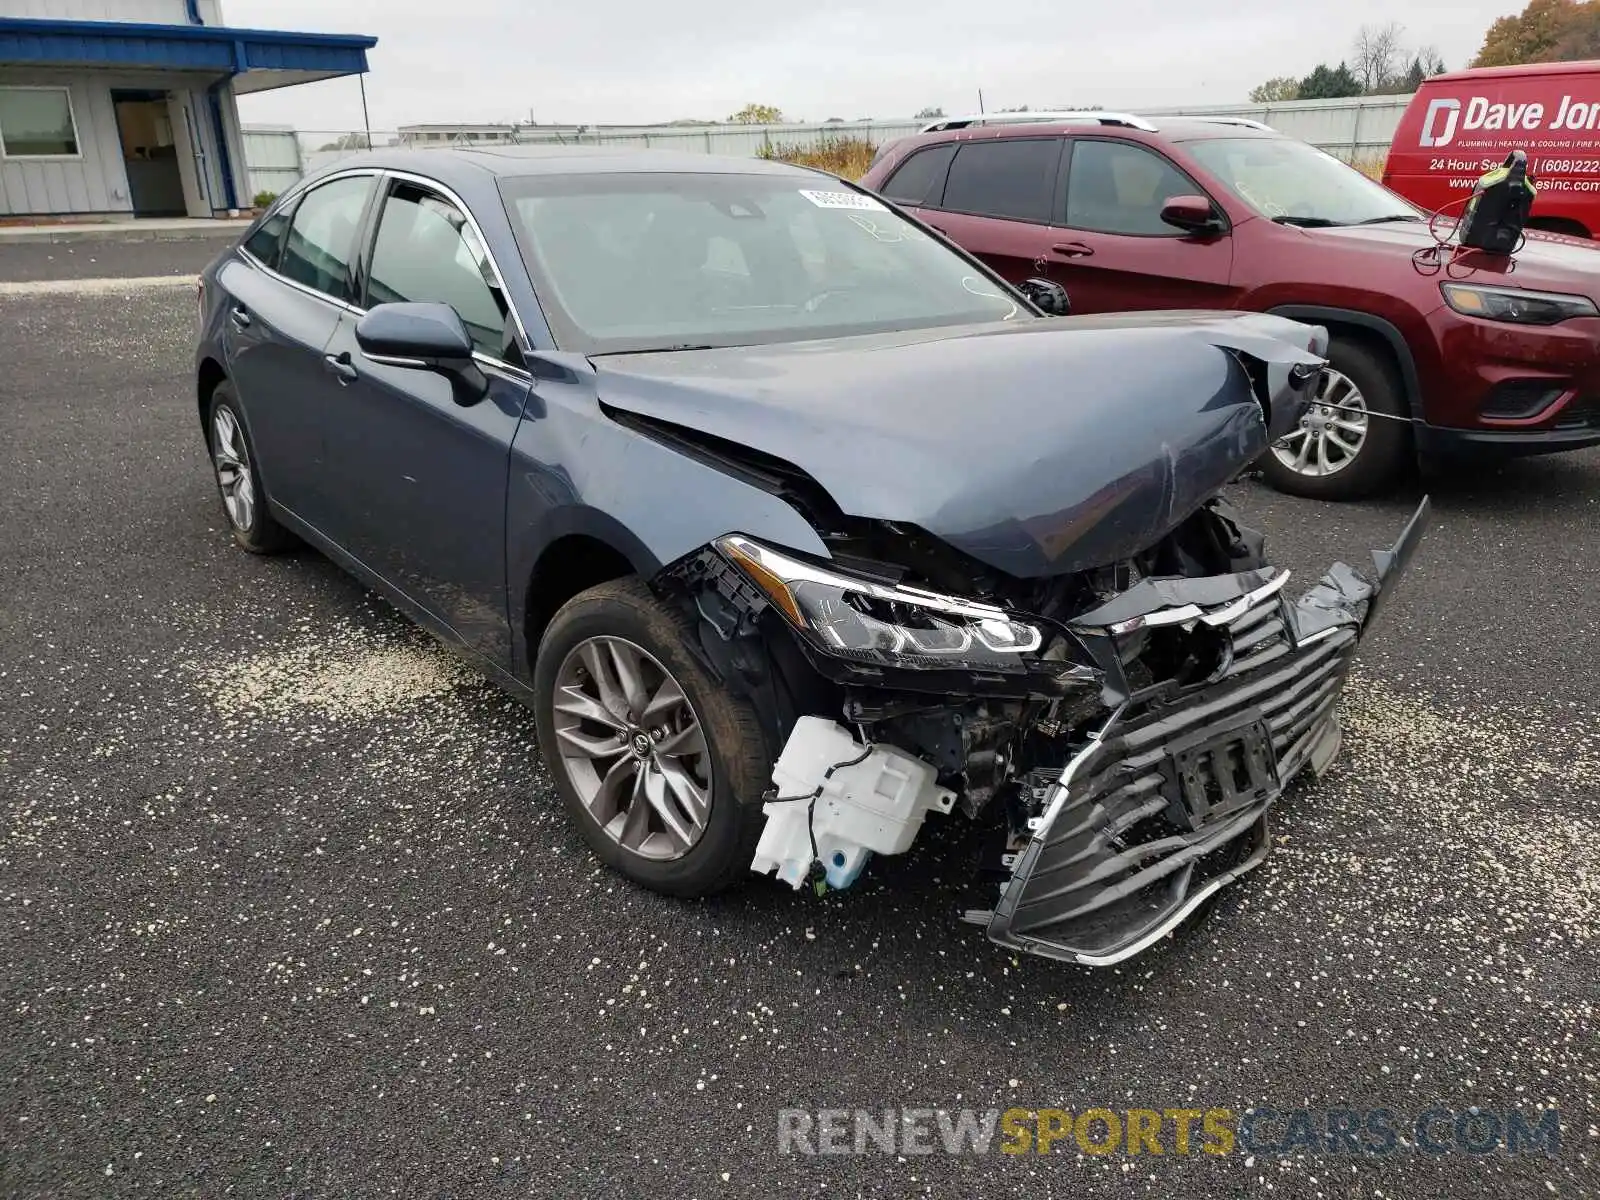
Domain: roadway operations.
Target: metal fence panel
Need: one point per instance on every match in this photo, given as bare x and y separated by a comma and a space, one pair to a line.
272, 158
1358, 129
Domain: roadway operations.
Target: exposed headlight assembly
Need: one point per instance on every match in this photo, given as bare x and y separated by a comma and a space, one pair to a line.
1515, 305
884, 624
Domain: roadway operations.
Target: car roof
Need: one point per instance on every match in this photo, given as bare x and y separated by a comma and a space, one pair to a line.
1165, 129
510, 162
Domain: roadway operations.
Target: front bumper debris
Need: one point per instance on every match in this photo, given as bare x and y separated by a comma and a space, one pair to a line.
1168, 801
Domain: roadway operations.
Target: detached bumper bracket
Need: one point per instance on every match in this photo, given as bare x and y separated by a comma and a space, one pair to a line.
1392, 564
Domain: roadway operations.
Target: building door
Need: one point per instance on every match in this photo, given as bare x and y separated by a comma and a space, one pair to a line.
149, 153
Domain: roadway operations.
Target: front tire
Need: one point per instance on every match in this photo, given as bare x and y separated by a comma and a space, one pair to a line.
1354, 439
233, 461
659, 765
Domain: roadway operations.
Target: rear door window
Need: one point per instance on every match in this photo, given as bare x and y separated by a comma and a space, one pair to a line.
1013, 178
920, 179
426, 251
1117, 187
267, 240
322, 236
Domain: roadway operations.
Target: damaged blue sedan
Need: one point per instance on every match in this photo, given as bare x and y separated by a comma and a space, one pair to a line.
793, 524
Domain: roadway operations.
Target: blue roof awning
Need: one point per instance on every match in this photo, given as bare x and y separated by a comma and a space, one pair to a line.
261, 58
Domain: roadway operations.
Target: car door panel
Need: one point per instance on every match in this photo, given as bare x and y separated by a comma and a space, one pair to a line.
1013, 249
422, 487
1105, 272
1114, 254
274, 336
421, 496
276, 329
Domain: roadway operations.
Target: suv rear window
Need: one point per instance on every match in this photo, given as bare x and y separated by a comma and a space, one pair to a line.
920, 179
1006, 177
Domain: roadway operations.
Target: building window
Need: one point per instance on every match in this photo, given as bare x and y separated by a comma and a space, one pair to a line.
37, 123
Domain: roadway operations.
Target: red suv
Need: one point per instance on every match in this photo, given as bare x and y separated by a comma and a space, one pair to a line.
1439, 353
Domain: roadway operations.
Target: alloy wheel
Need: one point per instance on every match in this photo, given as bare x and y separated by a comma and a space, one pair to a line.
632, 748
1332, 432
234, 477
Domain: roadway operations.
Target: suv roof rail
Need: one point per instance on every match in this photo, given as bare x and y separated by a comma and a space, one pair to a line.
1245, 121
1092, 116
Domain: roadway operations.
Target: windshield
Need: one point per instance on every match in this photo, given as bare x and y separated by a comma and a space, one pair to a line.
1298, 184
629, 262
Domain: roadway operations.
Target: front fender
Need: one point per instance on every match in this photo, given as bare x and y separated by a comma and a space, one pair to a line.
574, 471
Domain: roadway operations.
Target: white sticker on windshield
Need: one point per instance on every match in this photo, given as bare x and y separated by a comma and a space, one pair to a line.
852, 200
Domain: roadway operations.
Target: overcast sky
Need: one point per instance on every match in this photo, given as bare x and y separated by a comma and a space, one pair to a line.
626, 61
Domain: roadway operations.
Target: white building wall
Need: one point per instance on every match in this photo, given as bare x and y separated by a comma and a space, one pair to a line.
97, 183
151, 12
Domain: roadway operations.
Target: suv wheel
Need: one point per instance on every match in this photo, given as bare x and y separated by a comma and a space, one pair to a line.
661, 767
1352, 441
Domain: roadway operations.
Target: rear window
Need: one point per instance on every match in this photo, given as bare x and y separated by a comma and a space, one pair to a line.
1007, 177
322, 236
920, 179
267, 240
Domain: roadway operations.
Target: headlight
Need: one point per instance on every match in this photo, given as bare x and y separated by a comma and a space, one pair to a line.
880, 623
1515, 305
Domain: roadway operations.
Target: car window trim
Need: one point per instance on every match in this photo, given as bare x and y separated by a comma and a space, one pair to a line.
1066, 178
1055, 185
386, 190
368, 231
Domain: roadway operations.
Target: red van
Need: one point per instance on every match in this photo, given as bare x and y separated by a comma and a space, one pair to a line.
1461, 124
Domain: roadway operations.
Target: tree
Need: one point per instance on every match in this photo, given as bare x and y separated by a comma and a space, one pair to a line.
927, 114
1536, 34
758, 114
1378, 56
1425, 64
1281, 88
1329, 83
1581, 36
347, 141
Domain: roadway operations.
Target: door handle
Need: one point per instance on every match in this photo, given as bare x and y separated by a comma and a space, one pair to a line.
340, 365
240, 316
1072, 250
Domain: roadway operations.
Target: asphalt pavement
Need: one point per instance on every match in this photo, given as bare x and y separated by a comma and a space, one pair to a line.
288, 907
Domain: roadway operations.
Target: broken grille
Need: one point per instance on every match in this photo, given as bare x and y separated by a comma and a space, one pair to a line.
1116, 858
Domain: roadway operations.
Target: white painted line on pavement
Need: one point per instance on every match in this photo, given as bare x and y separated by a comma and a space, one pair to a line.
94, 287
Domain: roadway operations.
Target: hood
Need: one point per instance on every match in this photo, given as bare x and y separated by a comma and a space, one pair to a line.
1039, 448
1547, 261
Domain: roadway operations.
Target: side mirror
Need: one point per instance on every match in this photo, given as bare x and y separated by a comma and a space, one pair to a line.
1048, 296
424, 337
1192, 214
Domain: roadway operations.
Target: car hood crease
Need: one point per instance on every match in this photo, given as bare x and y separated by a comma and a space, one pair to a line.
1040, 449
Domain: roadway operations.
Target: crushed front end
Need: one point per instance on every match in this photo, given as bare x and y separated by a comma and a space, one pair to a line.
1122, 732
1166, 801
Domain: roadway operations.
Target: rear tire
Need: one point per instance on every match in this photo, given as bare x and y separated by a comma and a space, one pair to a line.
234, 464
1365, 393
591, 741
